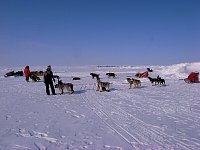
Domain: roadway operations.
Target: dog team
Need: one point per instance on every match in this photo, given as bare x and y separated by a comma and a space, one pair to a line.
49, 80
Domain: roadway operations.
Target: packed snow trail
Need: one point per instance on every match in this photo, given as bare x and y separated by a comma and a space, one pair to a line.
133, 130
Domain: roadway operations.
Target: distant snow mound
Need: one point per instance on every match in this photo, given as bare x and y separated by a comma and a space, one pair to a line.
178, 71
192, 67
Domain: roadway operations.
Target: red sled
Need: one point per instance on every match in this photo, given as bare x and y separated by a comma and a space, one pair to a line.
142, 75
193, 77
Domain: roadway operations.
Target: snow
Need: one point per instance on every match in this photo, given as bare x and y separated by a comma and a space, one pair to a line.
145, 118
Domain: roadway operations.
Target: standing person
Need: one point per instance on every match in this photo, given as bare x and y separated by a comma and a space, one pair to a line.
48, 80
158, 77
27, 73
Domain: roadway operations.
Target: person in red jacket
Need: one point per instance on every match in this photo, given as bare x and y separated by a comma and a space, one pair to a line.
27, 73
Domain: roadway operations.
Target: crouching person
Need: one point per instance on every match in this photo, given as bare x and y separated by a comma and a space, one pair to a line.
48, 80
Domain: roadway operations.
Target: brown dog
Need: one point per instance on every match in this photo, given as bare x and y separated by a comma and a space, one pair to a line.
134, 82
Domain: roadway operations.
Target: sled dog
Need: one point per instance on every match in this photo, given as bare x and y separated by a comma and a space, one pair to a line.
102, 86
153, 80
161, 81
61, 86
134, 82
110, 75
94, 75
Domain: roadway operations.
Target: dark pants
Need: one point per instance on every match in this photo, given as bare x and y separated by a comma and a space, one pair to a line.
27, 79
52, 88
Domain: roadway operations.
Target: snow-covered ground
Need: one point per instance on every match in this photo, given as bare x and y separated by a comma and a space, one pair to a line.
146, 118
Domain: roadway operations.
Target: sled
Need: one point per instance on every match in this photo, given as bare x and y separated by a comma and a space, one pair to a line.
193, 77
13, 73
142, 75
38, 73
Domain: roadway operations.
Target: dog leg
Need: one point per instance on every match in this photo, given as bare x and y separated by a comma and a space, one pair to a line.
101, 89
108, 90
97, 87
130, 86
62, 91
71, 91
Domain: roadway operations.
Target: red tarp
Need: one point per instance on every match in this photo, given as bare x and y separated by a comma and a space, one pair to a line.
142, 75
194, 77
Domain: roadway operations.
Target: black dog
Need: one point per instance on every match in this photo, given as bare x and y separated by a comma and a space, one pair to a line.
110, 75
153, 80
160, 80
94, 75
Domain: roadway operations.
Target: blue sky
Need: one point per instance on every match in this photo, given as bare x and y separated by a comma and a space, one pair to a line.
99, 32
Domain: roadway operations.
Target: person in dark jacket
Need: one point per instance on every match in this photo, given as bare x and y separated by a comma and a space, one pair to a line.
27, 73
48, 80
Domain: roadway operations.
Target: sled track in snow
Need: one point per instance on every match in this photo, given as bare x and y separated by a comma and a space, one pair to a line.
134, 131
153, 132
100, 112
189, 115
